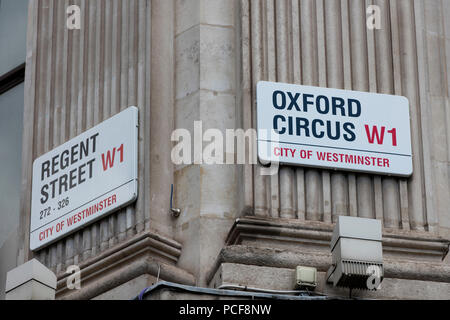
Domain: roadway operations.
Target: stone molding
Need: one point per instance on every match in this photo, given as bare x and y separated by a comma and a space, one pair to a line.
146, 253
268, 232
287, 243
255, 278
284, 258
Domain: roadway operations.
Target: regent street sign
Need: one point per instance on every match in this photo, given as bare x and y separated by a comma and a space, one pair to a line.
333, 129
84, 179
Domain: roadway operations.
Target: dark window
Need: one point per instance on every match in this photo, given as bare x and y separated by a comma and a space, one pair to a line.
13, 26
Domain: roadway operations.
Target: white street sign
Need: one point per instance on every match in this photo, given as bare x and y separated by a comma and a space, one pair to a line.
334, 129
84, 179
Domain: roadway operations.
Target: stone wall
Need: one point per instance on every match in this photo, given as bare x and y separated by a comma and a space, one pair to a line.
182, 61
327, 43
123, 55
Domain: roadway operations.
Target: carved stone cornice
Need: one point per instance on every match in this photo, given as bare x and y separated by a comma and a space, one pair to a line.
303, 235
289, 259
145, 253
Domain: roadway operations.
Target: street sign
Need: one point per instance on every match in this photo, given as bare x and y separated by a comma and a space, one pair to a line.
333, 129
84, 179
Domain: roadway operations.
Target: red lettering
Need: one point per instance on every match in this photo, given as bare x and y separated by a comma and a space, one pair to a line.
276, 152
321, 155
284, 152
121, 153
109, 159
70, 221
46, 233
393, 132
374, 134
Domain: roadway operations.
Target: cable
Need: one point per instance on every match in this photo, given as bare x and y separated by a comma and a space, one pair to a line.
229, 293
245, 288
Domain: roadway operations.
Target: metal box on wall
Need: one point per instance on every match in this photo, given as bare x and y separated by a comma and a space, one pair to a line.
357, 253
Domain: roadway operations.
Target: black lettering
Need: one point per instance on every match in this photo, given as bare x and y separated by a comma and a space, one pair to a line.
338, 103
314, 128
306, 101
73, 177
94, 142
63, 183
45, 170
90, 163
351, 112
293, 103
55, 163
349, 135
44, 193
81, 172
53, 187
64, 159
74, 152
84, 149
302, 123
275, 124
275, 100
338, 131
318, 106
290, 126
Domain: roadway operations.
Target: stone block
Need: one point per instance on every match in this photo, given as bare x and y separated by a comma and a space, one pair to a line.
187, 63
217, 55
30, 281
217, 12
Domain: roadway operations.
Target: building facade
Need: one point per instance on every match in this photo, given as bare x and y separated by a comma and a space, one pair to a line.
181, 61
